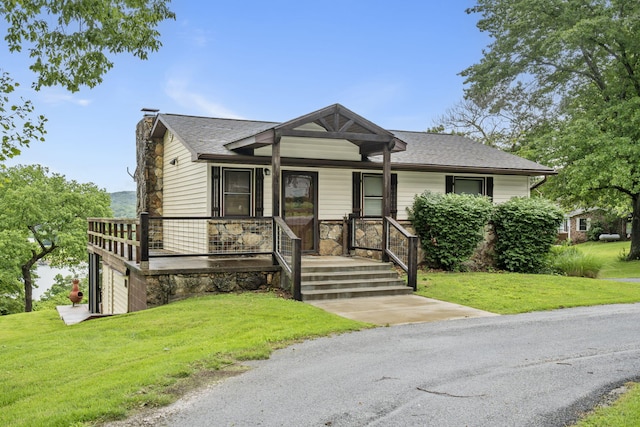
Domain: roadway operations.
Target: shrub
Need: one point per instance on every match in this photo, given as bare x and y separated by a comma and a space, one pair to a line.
571, 262
450, 226
525, 230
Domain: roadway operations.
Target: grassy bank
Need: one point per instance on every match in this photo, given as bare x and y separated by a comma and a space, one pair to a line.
57, 375
610, 253
509, 293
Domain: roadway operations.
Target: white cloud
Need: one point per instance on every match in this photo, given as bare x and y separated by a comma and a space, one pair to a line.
56, 96
179, 92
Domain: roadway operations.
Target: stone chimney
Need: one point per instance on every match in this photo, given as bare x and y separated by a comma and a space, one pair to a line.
149, 169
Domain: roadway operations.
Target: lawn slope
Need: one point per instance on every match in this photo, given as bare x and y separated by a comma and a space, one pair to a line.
57, 375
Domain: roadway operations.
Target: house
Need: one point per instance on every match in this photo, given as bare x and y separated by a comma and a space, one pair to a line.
577, 224
332, 181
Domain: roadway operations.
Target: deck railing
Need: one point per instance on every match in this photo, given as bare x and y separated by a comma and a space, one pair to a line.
195, 236
115, 235
153, 237
386, 235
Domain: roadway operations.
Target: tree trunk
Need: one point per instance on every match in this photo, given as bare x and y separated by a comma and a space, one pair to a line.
28, 287
634, 252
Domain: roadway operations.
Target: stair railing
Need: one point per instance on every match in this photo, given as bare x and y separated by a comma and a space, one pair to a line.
287, 252
398, 244
402, 248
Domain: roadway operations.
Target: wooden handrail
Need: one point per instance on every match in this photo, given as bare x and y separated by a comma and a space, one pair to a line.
411, 267
295, 268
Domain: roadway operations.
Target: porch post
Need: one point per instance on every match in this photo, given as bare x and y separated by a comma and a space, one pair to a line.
386, 197
275, 175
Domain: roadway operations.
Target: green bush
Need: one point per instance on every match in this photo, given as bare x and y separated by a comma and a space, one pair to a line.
597, 228
525, 230
570, 261
450, 226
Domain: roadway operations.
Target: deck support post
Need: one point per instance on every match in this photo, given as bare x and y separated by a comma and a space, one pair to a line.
386, 197
144, 240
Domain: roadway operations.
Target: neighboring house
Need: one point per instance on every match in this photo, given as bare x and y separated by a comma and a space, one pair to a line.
577, 223
315, 172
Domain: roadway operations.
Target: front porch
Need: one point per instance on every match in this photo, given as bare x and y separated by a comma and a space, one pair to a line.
160, 259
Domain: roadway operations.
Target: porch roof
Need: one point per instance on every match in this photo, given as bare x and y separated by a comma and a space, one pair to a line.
215, 139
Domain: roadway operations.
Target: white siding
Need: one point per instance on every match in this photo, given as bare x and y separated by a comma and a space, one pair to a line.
186, 192
115, 294
314, 148
186, 185
506, 187
334, 193
412, 183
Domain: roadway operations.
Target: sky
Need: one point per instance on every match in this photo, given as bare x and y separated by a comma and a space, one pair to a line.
396, 63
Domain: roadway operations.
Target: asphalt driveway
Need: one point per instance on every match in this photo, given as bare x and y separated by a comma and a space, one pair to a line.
536, 369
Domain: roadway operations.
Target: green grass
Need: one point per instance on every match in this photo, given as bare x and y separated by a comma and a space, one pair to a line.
609, 253
625, 412
57, 375
570, 261
510, 293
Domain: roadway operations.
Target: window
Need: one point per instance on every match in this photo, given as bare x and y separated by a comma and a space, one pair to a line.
236, 195
583, 224
237, 191
367, 195
474, 186
564, 226
482, 186
372, 194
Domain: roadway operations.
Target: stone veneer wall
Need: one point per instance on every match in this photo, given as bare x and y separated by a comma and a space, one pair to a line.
149, 170
242, 235
332, 238
166, 288
333, 235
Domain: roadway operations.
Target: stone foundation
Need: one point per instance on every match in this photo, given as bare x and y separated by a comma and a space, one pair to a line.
166, 288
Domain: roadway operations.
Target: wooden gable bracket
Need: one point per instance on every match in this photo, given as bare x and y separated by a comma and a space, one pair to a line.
338, 122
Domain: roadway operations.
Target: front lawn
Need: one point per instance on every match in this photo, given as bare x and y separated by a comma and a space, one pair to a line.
510, 293
57, 375
610, 253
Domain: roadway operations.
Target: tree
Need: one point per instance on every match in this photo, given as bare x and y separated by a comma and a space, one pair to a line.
58, 293
43, 217
504, 118
70, 44
584, 57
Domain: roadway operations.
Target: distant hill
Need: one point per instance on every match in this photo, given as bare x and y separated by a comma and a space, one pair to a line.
123, 204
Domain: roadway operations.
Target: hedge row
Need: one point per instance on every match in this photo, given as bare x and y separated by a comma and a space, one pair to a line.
451, 226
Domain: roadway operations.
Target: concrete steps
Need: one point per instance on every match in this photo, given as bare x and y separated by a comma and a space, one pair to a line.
341, 277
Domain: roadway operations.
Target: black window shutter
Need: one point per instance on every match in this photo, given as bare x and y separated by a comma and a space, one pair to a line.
259, 193
448, 184
394, 195
356, 195
215, 191
489, 192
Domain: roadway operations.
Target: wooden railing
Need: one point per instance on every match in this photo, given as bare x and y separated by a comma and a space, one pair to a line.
402, 248
149, 237
287, 251
386, 235
116, 236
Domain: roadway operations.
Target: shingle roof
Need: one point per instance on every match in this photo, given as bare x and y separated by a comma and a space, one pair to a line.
206, 137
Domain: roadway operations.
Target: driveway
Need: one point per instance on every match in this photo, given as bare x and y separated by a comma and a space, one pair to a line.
536, 369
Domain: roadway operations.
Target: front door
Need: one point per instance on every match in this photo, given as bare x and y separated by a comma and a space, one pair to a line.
300, 212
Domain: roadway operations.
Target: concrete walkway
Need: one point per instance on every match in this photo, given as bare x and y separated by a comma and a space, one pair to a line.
71, 315
398, 310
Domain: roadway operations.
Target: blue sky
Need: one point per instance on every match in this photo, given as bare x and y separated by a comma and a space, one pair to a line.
395, 63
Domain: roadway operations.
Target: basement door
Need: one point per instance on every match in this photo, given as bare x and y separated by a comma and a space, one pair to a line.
300, 207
